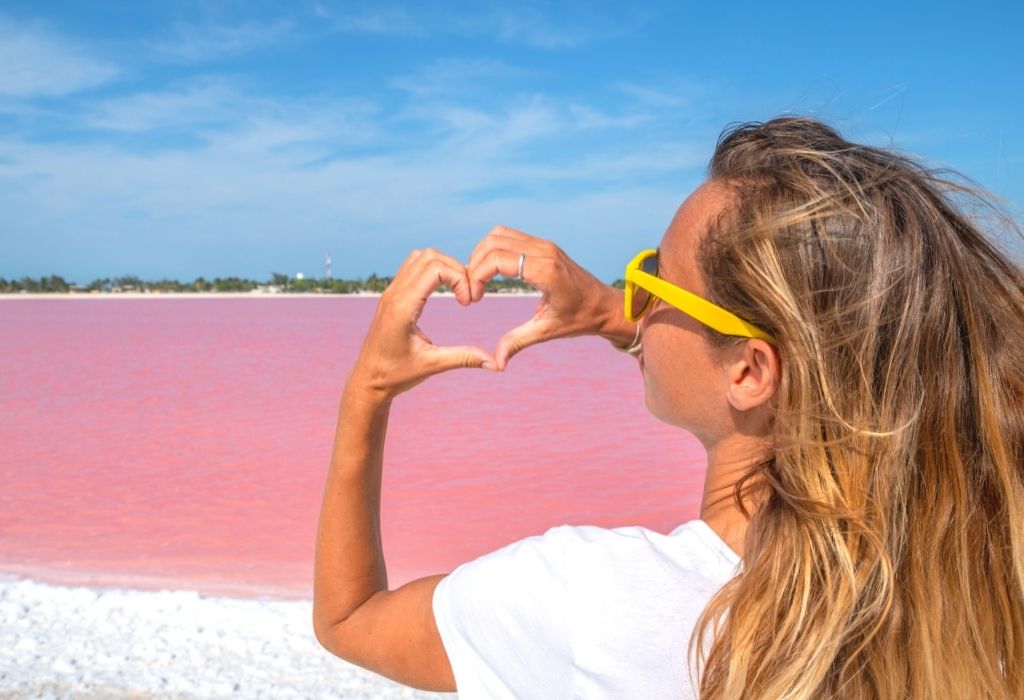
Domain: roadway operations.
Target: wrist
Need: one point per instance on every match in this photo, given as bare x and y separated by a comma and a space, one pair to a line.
359, 392
634, 346
614, 327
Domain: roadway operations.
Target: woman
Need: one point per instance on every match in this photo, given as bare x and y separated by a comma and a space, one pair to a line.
857, 380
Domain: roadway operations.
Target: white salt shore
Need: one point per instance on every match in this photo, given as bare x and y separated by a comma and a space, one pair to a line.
68, 642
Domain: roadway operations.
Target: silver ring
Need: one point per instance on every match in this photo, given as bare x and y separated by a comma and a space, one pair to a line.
522, 259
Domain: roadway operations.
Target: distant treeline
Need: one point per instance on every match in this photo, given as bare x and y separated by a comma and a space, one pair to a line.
278, 282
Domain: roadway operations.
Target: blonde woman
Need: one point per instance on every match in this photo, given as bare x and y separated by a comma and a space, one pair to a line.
835, 326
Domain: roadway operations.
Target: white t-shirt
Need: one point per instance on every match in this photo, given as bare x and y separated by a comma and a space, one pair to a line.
581, 612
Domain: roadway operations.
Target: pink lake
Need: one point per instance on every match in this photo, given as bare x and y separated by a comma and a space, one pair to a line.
184, 442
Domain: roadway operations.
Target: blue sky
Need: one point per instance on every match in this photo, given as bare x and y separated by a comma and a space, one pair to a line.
225, 138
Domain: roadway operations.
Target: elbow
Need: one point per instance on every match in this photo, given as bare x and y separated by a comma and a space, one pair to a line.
338, 628
322, 633
324, 618
339, 640
333, 635
326, 632
324, 629
329, 620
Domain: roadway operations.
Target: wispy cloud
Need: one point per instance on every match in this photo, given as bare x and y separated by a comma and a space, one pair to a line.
199, 103
214, 107
447, 76
493, 132
37, 62
585, 117
197, 43
567, 25
527, 25
674, 95
372, 20
219, 210
322, 173
225, 168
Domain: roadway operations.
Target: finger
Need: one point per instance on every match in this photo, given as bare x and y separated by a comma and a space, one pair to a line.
503, 237
461, 287
517, 339
497, 261
506, 262
401, 273
511, 245
516, 244
445, 357
434, 269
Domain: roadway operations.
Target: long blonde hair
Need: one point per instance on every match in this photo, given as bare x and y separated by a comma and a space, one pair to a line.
885, 555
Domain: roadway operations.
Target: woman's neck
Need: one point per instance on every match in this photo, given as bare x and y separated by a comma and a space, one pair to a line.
728, 461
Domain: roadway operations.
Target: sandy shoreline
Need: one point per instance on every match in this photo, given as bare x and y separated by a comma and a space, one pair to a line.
234, 295
76, 642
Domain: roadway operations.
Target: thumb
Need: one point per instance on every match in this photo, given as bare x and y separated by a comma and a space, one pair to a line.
446, 357
517, 339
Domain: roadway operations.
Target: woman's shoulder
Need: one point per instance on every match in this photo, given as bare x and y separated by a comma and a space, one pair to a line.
569, 559
691, 548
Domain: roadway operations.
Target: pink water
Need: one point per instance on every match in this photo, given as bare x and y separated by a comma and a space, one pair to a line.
184, 442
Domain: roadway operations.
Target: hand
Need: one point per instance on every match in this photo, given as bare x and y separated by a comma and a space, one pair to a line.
574, 302
396, 355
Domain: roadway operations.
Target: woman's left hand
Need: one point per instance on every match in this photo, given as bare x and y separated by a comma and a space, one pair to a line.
396, 355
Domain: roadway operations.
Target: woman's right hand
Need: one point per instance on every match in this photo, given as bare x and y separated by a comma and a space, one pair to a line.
574, 302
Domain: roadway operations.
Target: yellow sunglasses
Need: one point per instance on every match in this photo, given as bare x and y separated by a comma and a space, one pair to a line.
643, 285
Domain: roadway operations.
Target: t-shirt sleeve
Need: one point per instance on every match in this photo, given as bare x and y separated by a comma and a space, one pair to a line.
504, 620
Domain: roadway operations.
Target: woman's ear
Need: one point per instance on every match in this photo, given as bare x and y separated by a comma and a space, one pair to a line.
752, 374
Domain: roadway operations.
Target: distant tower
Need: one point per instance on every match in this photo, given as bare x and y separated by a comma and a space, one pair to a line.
327, 266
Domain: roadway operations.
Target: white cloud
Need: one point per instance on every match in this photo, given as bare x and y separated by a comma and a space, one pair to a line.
213, 107
490, 134
563, 26
392, 20
199, 103
39, 63
195, 43
281, 183
258, 180
660, 96
448, 76
530, 26
586, 117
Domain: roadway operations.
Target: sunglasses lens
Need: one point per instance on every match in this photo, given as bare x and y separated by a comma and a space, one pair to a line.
650, 265
641, 297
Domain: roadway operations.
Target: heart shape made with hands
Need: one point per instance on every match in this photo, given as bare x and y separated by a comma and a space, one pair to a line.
488, 322
418, 278
573, 302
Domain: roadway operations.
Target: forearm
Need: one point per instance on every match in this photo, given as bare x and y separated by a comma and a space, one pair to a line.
349, 566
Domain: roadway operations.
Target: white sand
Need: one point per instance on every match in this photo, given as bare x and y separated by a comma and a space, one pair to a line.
67, 642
